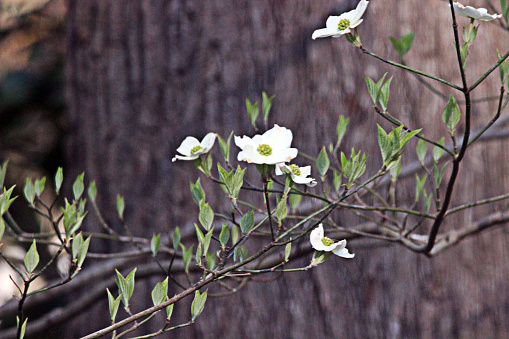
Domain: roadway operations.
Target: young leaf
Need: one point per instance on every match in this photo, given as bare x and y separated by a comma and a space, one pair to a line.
281, 210
384, 94
288, 250
83, 251
29, 191
59, 178
23, 327
206, 215
373, 90
319, 257
224, 236
2, 227
77, 243
3, 170
120, 206
39, 186
169, 312
451, 115
113, 304
419, 186
160, 291
295, 200
198, 304
92, 191
247, 222
252, 112
197, 191
78, 187
341, 129
31, 258
438, 151
176, 238
403, 45
155, 243
186, 257
225, 146
421, 150
322, 162
266, 105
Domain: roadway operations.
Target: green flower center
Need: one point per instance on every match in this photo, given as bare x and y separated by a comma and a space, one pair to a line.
264, 150
295, 169
327, 241
196, 149
343, 24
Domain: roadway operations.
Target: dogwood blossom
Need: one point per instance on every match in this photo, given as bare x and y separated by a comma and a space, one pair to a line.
336, 26
474, 13
299, 174
272, 147
191, 148
321, 243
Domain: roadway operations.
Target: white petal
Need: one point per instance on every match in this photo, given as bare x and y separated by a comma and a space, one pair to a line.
302, 180
333, 22
357, 23
324, 33
343, 252
180, 157
208, 142
305, 171
285, 155
251, 155
278, 138
282, 168
316, 238
242, 141
359, 11
187, 145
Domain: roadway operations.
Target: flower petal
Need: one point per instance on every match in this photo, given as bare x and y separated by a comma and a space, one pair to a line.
187, 145
316, 238
278, 137
305, 171
242, 141
208, 142
180, 157
324, 33
285, 155
282, 168
359, 11
343, 252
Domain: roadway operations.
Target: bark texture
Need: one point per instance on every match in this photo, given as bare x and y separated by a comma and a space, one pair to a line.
144, 74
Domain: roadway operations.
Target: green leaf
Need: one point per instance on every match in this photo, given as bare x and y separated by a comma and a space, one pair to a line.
113, 304
126, 286
120, 206
23, 327
384, 144
225, 146
235, 234
252, 112
29, 191
403, 45
2, 227
176, 238
199, 234
266, 105
206, 215
281, 210
198, 304
186, 257
395, 171
373, 90
322, 162
288, 250
78, 187
295, 200
237, 181
341, 129
77, 243
155, 243
169, 312
83, 251
384, 94
197, 192
421, 149
319, 257
3, 171
224, 236
419, 186
464, 53
5, 200
206, 243
247, 222
92, 191
451, 115
438, 151
160, 291
31, 258
59, 178
39, 186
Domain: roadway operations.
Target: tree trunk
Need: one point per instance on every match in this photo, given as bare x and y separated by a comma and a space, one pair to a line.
143, 75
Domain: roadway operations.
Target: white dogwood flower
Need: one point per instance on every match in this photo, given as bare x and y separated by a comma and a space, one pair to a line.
191, 148
299, 174
272, 147
321, 243
336, 26
474, 13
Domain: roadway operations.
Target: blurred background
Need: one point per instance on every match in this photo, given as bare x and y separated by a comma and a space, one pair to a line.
111, 88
